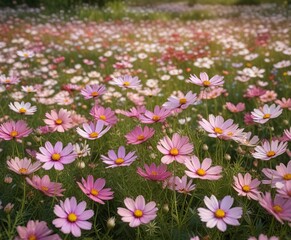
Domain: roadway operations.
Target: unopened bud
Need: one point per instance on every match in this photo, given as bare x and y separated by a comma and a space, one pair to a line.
111, 222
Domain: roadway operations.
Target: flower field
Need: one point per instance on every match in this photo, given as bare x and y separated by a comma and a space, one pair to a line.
145, 126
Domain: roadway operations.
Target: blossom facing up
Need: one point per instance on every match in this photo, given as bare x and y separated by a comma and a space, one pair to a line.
23, 108
180, 185
44, 184
158, 115
56, 156
58, 121
139, 135
246, 186
202, 170
14, 130
104, 114
204, 80
266, 113
95, 189
23, 166
36, 230
92, 130
127, 82
181, 102
220, 213
137, 211
119, 159
154, 173
270, 150
176, 149
93, 91
25, 54
72, 217
12, 79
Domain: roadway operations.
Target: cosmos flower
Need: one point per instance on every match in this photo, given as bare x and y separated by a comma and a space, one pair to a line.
134, 112
180, 185
127, 82
104, 114
263, 237
139, 135
204, 81
93, 91
12, 79
93, 131
14, 130
264, 115
158, 115
284, 190
235, 108
180, 102
154, 173
58, 121
23, 166
25, 54
23, 108
245, 186
288, 133
269, 150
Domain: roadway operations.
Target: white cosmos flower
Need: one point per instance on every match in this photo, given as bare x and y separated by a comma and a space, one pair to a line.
23, 108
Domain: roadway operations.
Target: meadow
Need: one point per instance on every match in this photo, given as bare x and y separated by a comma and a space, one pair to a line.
142, 123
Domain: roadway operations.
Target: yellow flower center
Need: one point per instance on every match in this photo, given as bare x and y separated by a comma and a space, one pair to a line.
7, 80
13, 133
267, 115
126, 84
246, 188
59, 121
156, 118
183, 100
219, 213
94, 192
44, 188
119, 161
206, 83
25, 55
174, 151
32, 237
56, 157
277, 208
138, 213
72, 217
154, 173
201, 172
103, 117
94, 94
22, 110
93, 135
287, 176
271, 153
218, 130
140, 137
22, 170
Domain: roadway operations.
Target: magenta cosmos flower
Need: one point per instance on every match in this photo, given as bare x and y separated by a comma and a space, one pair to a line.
204, 80
134, 112
270, 150
220, 213
158, 115
23, 166
246, 187
180, 185
154, 173
235, 108
72, 217
44, 184
181, 102
139, 135
266, 113
58, 121
14, 130
176, 149
95, 190
126, 82
92, 130
202, 170
280, 207
119, 159
36, 230
56, 156
137, 212
23, 108
284, 190
104, 114
93, 91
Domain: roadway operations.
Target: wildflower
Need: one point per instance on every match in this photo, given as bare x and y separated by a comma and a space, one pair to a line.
204, 81
82, 150
93, 91
72, 216
12, 79
288, 133
284, 103
92, 130
220, 213
181, 102
154, 173
104, 114
23, 166
23, 108
246, 139
139, 135
14, 130
245, 186
25, 54
133, 112
158, 115
95, 189
284, 190
9, 206
235, 108
180, 185
58, 121
267, 113
137, 212
127, 82
270, 150
263, 237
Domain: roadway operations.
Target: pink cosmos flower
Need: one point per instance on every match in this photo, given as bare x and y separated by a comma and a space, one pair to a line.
119, 159
220, 213
23, 108
248, 119
158, 115
180, 185
270, 150
134, 112
235, 108
264, 115
36, 230
284, 103
154, 173
59, 121
44, 184
247, 140
288, 133
254, 91
93, 131
72, 217
139, 135
23, 166
280, 207
12, 79
137, 211
180, 102
204, 81
263, 237
95, 190
104, 114
176, 149
202, 170
127, 82
56, 156
245, 186
14, 130
284, 190
93, 91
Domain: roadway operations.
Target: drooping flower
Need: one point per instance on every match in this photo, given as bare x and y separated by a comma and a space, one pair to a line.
36, 230
176, 149
119, 159
158, 115
104, 114
134, 112
137, 211
44, 184
235, 108
58, 121
247, 140
288, 133
284, 190
23, 166
95, 189
93, 91
181, 102
270, 150
202, 170
14, 130
180, 185
127, 82
204, 80
23, 108
56, 156
220, 213
246, 186
154, 173
93, 131
72, 217
284, 103
139, 135
266, 113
